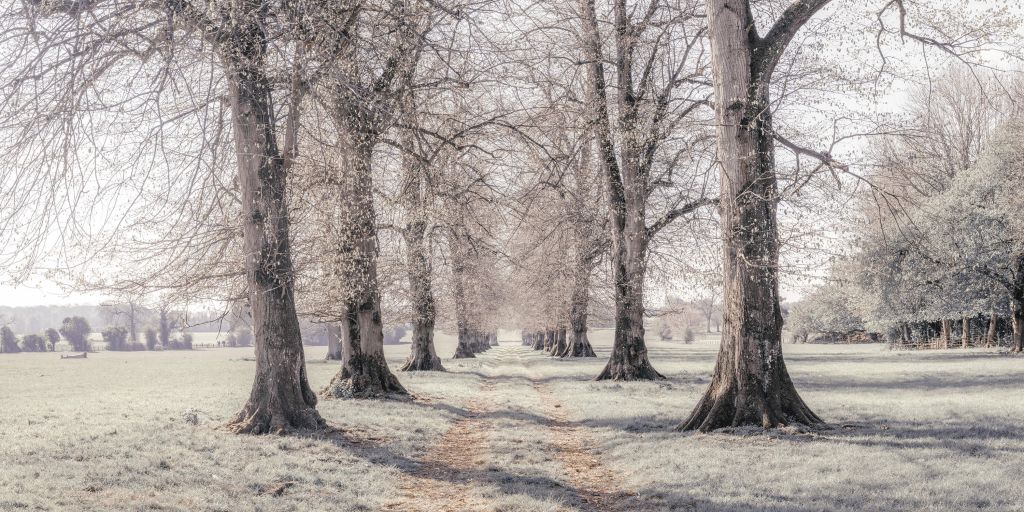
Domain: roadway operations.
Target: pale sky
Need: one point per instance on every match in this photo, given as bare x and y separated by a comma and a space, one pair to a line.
44, 293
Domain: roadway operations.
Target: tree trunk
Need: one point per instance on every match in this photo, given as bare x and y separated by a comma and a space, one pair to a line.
364, 372
422, 355
751, 385
334, 341
281, 399
1018, 324
538, 340
559, 346
965, 332
946, 335
493, 339
579, 344
993, 320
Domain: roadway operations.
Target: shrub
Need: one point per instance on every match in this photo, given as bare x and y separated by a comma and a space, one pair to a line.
53, 337
76, 330
664, 331
242, 337
151, 339
688, 335
8, 341
186, 341
33, 343
116, 338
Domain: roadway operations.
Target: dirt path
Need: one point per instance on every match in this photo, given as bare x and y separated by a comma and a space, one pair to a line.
599, 488
449, 471
444, 477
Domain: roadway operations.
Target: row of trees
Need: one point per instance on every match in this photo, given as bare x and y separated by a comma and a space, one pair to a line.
506, 162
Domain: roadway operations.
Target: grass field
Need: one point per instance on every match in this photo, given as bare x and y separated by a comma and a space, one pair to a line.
513, 430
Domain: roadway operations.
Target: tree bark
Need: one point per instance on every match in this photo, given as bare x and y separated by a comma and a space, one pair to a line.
944, 338
334, 341
364, 372
965, 332
579, 344
538, 340
281, 399
1018, 324
751, 385
993, 320
423, 356
559, 345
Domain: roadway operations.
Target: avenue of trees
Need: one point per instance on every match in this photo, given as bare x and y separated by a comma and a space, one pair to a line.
465, 165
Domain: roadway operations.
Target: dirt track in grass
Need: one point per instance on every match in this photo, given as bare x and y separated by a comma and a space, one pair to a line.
446, 476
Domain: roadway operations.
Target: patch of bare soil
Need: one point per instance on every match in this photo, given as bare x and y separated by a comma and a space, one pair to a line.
598, 488
444, 477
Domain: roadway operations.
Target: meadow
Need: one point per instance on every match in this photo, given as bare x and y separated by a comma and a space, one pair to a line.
513, 430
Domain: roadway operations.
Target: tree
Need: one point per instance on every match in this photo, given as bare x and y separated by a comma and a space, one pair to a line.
116, 338
626, 155
751, 385
151, 339
76, 330
52, 337
8, 341
33, 343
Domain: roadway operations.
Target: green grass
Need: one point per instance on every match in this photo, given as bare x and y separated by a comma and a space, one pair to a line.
931, 431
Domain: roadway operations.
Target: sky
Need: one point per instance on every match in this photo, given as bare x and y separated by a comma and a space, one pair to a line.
45, 293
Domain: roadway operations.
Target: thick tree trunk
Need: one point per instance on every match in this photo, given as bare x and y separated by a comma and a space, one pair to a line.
364, 372
1018, 325
579, 344
751, 385
993, 320
281, 399
493, 339
334, 341
944, 338
538, 340
422, 357
559, 345
549, 340
965, 332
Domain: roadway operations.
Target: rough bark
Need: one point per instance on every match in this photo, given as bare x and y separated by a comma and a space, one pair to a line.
538, 340
626, 187
965, 332
364, 372
422, 356
993, 320
751, 385
281, 399
579, 344
1018, 324
559, 345
944, 337
333, 341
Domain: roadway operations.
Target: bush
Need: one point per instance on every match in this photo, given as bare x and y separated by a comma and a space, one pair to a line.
33, 343
76, 330
186, 341
116, 338
688, 336
151, 339
240, 338
664, 331
53, 338
8, 341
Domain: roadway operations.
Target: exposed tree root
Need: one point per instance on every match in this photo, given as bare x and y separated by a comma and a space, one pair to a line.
629, 371
723, 406
422, 363
258, 420
364, 377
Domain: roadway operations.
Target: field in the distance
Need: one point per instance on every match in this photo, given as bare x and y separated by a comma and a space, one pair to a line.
513, 430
